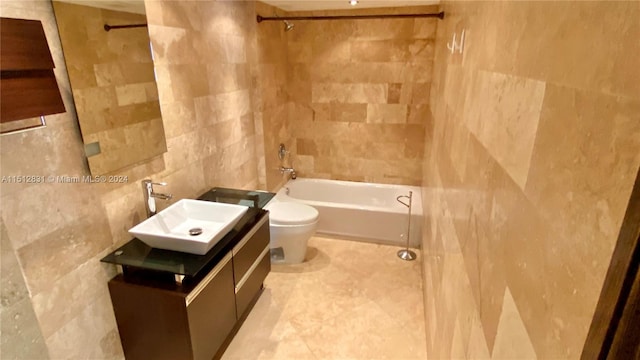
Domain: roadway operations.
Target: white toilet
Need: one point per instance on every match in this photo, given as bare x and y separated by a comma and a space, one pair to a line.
291, 225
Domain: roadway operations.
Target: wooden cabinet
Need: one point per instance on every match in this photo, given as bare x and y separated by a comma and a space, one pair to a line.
160, 320
157, 323
28, 86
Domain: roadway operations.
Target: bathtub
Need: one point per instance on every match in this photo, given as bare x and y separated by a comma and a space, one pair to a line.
363, 211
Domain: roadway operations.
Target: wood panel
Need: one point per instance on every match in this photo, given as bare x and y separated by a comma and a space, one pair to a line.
29, 94
253, 285
28, 86
212, 315
152, 322
247, 255
24, 45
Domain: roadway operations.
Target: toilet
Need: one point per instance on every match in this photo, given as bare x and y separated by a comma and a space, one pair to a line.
291, 225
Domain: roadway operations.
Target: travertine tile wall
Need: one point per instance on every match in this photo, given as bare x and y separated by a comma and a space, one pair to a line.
115, 93
20, 335
59, 231
56, 232
269, 78
528, 170
359, 93
203, 55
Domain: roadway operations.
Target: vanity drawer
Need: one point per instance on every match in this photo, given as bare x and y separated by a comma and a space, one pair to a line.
250, 285
249, 248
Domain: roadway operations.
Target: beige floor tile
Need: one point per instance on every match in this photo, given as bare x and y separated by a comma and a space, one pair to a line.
348, 300
367, 332
404, 304
266, 335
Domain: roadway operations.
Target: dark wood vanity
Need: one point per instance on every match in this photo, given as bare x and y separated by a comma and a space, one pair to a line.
171, 305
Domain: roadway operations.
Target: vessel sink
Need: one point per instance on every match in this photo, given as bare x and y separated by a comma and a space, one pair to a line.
191, 226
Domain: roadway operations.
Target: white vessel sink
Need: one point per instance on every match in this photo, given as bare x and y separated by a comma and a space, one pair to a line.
176, 227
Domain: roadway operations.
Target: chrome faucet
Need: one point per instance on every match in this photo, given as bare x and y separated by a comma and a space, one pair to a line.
150, 196
290, 171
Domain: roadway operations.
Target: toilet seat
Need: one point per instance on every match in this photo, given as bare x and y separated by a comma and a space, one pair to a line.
291, 213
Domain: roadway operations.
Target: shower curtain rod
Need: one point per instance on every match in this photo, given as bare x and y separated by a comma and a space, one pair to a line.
260, 19
108, 27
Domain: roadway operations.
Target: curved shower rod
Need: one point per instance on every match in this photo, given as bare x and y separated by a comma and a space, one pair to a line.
260, 19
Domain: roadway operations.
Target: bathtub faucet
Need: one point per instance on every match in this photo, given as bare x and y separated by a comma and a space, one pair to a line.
289, 170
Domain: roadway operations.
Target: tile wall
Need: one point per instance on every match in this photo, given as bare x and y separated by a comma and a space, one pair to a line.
270, 102
527, 172
55, 231
359, 93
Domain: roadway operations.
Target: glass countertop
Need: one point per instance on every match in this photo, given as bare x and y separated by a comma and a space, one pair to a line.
137, 254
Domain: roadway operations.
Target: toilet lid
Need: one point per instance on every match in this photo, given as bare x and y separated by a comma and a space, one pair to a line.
291, 213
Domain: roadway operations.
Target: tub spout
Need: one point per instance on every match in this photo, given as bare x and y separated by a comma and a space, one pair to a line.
290, 171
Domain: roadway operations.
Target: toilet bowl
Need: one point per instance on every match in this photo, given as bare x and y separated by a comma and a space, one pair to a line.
291, 224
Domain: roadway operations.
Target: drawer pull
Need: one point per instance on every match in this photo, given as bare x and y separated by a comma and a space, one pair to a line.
252, 268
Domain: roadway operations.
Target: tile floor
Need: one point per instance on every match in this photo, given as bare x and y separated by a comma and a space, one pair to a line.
349, 300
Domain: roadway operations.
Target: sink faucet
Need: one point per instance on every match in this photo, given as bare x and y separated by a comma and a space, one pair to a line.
150, 196
289, 170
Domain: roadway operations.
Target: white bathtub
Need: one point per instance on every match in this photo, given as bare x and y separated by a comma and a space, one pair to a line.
359, 210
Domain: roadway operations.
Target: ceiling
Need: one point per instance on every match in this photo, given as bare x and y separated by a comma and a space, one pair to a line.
304, 5
133, 6
137, 6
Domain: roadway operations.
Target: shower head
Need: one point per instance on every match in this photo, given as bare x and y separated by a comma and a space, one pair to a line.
287, 25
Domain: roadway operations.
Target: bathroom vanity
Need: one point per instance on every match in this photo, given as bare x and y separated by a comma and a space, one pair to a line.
174, 305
